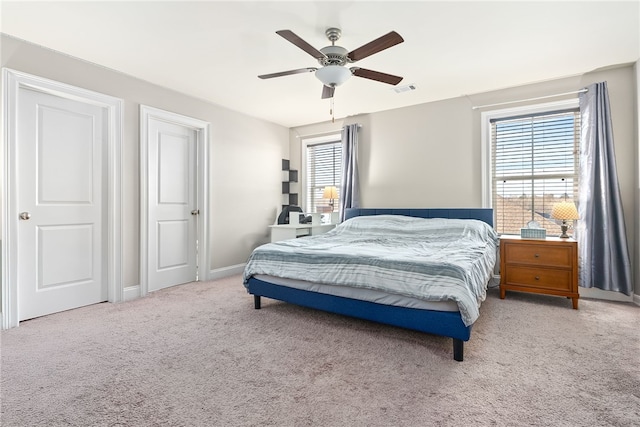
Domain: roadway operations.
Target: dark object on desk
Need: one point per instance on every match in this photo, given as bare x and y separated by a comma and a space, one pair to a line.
283, 218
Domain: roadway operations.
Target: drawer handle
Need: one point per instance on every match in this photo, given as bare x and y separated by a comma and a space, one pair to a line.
537, 277
537, 255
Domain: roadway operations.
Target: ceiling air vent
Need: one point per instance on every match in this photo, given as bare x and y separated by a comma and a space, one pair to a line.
405, 88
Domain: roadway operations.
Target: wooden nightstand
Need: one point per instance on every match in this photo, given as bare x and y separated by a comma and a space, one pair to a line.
544, 266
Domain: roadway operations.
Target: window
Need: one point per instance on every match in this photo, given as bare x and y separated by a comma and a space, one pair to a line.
534, 165
322, 168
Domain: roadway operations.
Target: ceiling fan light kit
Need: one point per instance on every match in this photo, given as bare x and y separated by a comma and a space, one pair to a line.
333, 59
333, 75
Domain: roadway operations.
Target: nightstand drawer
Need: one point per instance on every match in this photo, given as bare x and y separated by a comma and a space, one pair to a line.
541, 255
551, 278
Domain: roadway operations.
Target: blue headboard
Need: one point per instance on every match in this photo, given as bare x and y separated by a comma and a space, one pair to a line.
482, 214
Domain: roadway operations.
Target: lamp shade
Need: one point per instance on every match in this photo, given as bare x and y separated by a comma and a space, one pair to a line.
330, 193
564, 211
333, 75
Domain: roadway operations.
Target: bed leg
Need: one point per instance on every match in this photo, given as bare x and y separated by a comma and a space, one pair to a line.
458, 350
256, 302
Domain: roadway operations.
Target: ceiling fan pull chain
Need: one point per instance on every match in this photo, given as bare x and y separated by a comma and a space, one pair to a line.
333, 119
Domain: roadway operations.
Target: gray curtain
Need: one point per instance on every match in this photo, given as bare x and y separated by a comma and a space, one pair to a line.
602, 239
349, 185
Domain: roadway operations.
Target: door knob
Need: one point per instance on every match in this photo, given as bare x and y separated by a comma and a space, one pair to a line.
195, 212
25, 216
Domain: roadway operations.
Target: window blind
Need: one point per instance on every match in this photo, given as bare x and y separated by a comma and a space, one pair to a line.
323, 169
535, 162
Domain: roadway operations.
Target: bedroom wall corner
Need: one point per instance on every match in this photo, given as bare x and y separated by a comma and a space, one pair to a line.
636, 297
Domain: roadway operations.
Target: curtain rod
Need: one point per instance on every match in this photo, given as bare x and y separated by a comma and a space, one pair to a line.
476, 107
329, 132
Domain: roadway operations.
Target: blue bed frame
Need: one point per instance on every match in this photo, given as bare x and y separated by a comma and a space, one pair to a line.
448, 324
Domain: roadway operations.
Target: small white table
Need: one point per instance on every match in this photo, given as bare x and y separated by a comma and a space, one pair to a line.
288, 231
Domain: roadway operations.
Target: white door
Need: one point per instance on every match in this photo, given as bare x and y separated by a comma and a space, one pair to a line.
172, 222
60, 193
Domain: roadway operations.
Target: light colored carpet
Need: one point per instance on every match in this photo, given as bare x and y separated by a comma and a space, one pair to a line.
200, 355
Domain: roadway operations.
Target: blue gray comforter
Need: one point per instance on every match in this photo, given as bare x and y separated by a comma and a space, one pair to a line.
430, 259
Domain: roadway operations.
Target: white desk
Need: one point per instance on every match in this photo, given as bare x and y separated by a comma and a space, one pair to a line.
287, 231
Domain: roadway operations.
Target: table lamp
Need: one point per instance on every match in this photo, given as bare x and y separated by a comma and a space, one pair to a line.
565, 211
330, 193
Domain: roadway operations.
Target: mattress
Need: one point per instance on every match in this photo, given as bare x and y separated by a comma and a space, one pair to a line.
363, 294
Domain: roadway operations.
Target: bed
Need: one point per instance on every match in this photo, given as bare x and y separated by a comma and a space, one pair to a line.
360, 269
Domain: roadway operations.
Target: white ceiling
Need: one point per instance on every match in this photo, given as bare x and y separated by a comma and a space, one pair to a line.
215, 50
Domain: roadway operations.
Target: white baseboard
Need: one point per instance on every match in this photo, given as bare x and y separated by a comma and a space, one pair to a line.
220, 273
596, 293
131, 292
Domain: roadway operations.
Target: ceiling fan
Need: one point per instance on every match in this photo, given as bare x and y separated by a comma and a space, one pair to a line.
334, 58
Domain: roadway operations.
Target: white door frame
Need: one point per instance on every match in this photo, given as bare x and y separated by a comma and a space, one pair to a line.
202, 182
12, 81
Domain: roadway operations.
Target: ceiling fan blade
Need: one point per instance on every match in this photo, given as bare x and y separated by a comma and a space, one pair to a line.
327, 91
381, 43
376, 75
287, 73
293, 38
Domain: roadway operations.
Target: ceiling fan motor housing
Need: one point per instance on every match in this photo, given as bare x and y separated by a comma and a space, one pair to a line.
336, 55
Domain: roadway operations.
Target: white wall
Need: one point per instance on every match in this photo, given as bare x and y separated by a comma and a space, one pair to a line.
245, 154
637, 184
402, 152
429, 155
